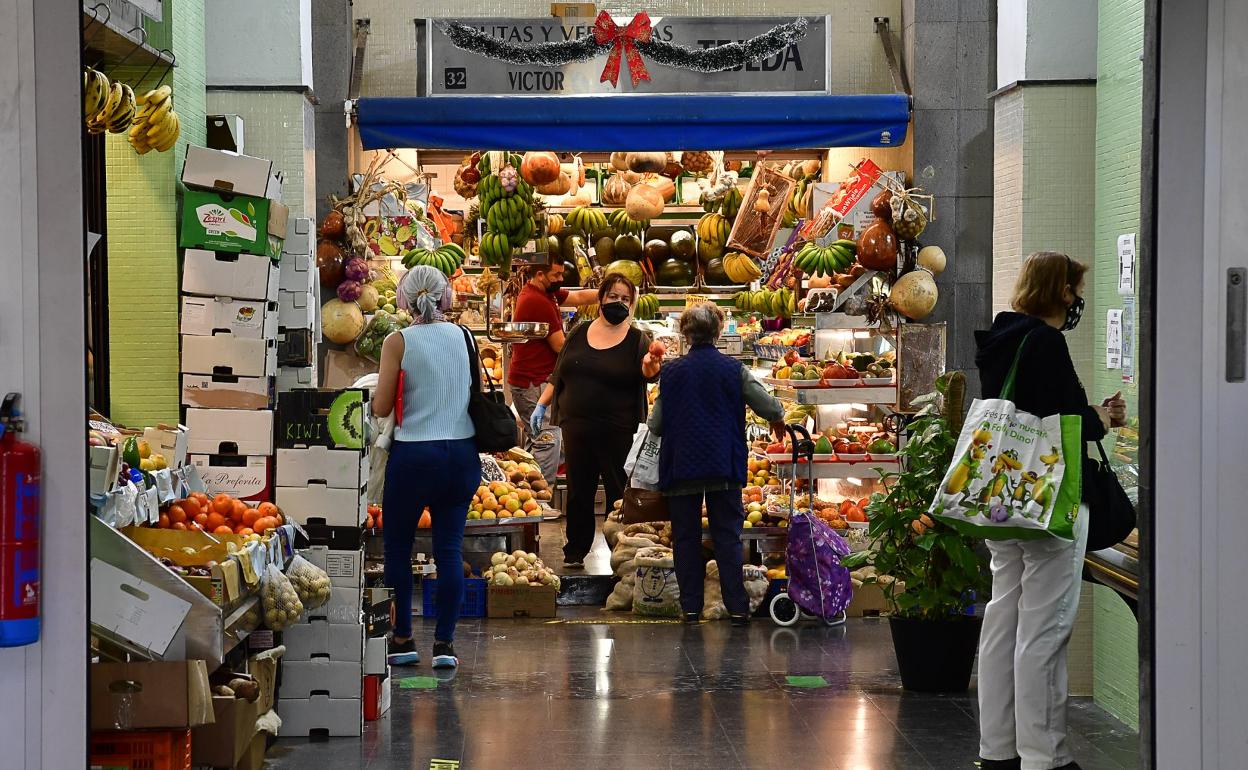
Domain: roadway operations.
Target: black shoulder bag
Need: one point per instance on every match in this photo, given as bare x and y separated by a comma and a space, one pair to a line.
492, 418
1112, 517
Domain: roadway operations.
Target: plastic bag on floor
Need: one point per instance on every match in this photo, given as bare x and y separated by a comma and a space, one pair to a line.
281, 604
656, 594
311, 583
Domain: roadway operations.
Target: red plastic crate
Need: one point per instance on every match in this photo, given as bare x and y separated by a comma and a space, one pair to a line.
147, 750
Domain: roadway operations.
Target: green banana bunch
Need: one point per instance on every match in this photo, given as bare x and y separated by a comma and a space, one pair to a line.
814, 259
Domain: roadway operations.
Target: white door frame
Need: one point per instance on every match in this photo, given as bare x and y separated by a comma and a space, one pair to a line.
43, 710
1195, 630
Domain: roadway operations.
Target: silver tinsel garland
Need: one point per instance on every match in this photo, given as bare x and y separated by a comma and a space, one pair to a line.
714, 59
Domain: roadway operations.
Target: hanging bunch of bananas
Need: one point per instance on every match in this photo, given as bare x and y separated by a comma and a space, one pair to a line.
814, 259
780, 303
586, 221
106, 106
741, 268
506, 205
447, 258
156, 125
625, 224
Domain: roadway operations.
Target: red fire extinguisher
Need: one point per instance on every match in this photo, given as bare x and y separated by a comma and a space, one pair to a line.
19, 531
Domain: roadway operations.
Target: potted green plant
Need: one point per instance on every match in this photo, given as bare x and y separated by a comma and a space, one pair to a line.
928, 572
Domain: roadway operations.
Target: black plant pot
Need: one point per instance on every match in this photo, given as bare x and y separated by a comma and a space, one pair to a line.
935, 655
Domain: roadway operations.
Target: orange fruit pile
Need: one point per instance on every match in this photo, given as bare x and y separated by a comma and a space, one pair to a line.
220, 515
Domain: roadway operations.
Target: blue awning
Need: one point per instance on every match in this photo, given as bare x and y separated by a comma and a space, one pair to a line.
609, 123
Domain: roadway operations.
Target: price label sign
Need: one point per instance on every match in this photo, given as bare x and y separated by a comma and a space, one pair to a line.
695, 299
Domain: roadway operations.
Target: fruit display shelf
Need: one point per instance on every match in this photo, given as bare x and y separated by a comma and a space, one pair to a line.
885, 395
839, 469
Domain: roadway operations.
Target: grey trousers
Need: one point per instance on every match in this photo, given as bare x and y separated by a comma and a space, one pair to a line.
547, 445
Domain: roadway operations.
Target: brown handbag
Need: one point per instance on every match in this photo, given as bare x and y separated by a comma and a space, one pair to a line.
643, 505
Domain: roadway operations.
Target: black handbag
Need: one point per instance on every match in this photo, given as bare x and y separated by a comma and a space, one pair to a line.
1112, 516
495, 423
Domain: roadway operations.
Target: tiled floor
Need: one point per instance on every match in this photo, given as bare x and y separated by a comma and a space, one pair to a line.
621, 695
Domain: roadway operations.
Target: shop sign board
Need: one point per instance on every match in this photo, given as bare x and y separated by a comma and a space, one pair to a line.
802, 68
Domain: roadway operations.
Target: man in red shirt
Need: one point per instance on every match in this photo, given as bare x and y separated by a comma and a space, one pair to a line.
533, 361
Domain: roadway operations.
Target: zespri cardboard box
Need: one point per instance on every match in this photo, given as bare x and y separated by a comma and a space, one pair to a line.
209, 273
228, 222
246, 319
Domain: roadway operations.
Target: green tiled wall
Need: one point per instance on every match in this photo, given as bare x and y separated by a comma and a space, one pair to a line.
278, 126
1115, 661
142, 241
1119, 120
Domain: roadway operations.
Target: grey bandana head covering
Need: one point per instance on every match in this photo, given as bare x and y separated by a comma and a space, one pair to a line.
422, 292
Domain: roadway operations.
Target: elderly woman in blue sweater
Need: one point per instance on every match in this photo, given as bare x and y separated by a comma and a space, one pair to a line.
703, 456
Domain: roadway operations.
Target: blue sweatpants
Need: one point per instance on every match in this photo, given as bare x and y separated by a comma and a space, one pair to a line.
441, 476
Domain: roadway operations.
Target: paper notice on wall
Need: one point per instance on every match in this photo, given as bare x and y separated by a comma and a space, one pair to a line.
1128, 339
1113, 340
1126, 264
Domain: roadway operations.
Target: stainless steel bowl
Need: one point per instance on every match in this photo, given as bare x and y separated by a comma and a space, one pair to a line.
513, 331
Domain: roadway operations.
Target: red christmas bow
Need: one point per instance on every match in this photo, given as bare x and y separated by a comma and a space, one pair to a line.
606, 31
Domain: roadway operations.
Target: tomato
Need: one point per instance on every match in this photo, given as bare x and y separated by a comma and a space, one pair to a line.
266, 509
202, 519
177, 525
244, 531
223, 504
191, 506
164, 521
249, 517
213, 521
237, 511
176, 514
223, 530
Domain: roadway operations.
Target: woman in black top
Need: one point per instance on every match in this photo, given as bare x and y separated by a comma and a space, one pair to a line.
1035, 583
598, 390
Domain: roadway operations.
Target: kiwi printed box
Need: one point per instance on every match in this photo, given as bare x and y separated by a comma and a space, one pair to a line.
337, 419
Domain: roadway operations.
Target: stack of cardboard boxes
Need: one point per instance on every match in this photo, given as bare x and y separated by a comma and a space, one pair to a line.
327, 659
299, 308
233, 227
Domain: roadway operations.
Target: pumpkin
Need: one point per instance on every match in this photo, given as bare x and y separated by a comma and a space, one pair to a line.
560, 186
619, 161
540, 168
647, 162
877, 247
664, 185
615, 190
932, 259
914, 294
644, 202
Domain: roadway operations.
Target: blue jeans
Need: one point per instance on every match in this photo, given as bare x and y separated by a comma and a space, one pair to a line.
441, 476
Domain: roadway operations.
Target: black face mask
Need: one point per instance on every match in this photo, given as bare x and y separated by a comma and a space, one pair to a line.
615, 313
1073, 314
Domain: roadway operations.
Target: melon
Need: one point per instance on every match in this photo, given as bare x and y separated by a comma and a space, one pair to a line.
561, 185
914, 294
657, 250
540, 168
683, 245
341, 322
714, 275
673, 272
664, 185
628, 247
604, 250
644, 202
619, 161
627, 268
647, 162
615, 191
